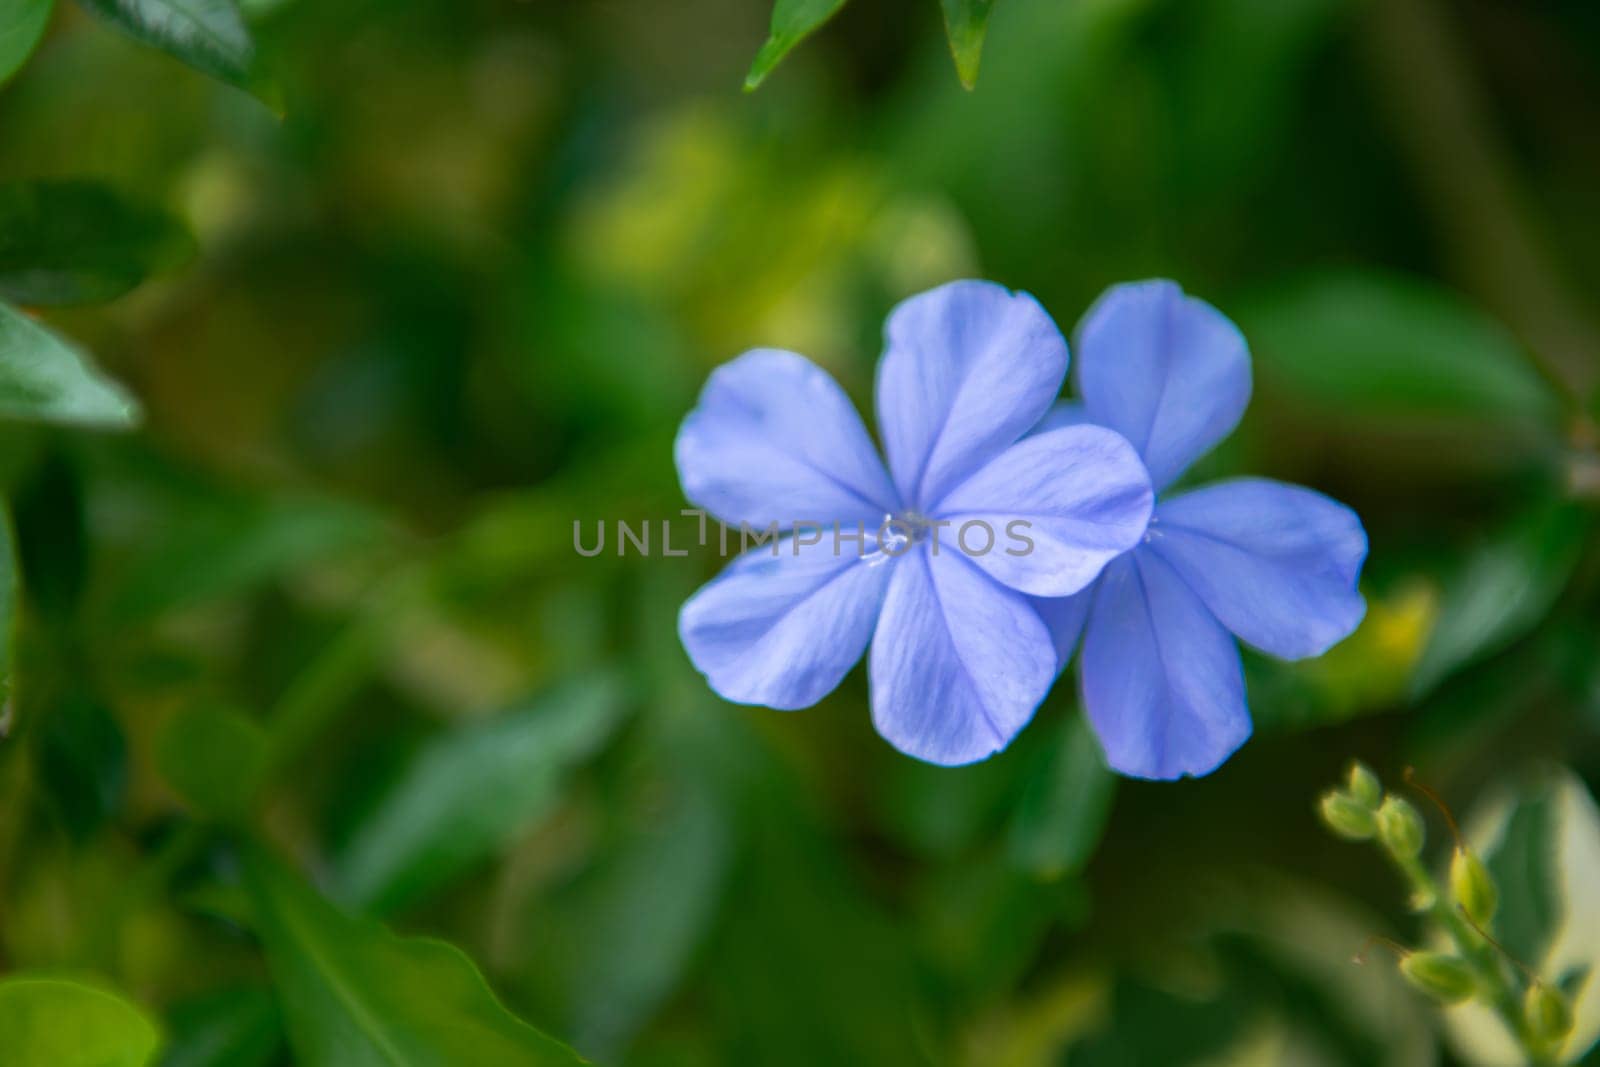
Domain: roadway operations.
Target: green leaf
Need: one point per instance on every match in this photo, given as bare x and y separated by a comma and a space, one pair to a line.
52, 537
471, 791
76, 242
1541, 842
800, 940
8, 605
792, 22
1064, 806
22, 25
236, 1027
44, 378
83, 761
213, 758
965, 24
1385, 344
1503, 590
1148, 1024
223, 544
355, 995
1525, 866
619, 942
979, 923
208, 35
1240, 81
51, 1022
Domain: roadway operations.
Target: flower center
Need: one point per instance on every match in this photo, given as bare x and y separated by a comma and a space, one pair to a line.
905, 529
897, 534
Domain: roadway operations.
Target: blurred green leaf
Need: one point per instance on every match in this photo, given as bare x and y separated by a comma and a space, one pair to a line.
965, 23
8, 605
619, 941
78, 242
51, 1022
52, 542
792, 22
800, 941
83, 762
945, 811
208, 35
1503, 589
213, 757
470, 791
237, 1027
44, 378
1153, 1025
255, 10
22, 24
1240, 77
355, 995
1525, 865
1541, 842
982, 923
1366, 343
1065, 804
223, 545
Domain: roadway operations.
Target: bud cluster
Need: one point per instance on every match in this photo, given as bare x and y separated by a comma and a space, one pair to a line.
1351, 812
1473, 965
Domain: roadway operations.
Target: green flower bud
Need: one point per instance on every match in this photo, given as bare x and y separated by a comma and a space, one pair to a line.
1440, 975
1549, 1014
1346, 817
1365, 789
1422, 899
1400, 828
1473, 888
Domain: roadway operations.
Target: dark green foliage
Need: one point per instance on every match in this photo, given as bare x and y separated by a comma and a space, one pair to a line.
73, 242
308, 649
82, 761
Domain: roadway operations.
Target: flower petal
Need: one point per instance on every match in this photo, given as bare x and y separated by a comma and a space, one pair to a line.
1167, 371
1277, 564
1064, 617
969, 368
774, 439
1051, 510
783, 630
1162, 680
958, 663
1064, 414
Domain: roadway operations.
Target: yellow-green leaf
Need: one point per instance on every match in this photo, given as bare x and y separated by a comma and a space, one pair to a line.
52, 1022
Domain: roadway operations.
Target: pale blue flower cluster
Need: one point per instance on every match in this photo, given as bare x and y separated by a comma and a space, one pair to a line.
965, 642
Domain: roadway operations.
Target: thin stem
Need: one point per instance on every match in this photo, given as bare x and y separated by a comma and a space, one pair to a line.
1482, 955
1414, 782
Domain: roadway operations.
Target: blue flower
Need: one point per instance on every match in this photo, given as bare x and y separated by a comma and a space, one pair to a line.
1274, 565
960, 657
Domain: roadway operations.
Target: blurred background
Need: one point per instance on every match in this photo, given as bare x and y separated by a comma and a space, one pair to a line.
459, 295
